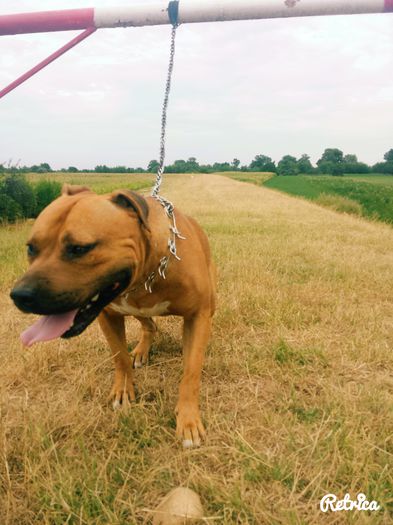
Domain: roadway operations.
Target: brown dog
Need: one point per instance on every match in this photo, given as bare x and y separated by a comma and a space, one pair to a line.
109, 256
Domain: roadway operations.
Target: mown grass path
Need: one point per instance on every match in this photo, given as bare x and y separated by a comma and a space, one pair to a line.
297, 390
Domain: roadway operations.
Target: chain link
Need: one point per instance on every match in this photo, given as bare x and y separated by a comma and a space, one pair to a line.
167, 205
160, 170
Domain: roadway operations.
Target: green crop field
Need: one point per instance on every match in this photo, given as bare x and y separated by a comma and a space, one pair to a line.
386, 180
370, 196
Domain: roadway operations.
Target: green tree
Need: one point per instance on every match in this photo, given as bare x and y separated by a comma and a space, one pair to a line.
179, 166
304, 164
153, 166
352, 165
184, 166
350, 159
389, 156
45, 166
334, 155
355, 167
102, 169
331, 162
192, 165
288, 166
383, 167
41, 168
235, 164
262, 163
222, 166
331, 168
119, 169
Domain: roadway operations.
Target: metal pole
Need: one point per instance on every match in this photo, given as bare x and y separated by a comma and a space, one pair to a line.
47, 61
190, 11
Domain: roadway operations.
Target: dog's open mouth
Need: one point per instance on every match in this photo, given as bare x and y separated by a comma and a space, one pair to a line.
75, 321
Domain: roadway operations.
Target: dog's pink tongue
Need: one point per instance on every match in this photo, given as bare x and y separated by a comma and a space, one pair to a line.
48, 327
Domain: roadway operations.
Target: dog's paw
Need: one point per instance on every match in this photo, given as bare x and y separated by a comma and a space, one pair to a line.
139, 356
189, 427
122, 394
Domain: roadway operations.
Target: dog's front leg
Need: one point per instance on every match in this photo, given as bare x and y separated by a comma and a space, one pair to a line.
114, 330
196, 333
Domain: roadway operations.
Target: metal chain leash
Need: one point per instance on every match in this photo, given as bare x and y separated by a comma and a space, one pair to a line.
167, 205
160, 170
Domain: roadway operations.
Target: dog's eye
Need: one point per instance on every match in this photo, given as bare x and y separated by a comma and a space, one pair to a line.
78, 250
31, 250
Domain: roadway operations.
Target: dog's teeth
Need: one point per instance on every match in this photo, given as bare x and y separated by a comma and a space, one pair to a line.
95, 298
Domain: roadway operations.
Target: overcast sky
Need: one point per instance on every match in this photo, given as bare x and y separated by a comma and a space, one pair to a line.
274, 87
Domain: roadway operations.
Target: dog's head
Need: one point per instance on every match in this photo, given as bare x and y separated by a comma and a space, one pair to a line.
84, 250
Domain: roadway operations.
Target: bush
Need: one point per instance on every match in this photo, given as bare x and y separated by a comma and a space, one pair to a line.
356, 167
10, 210
21, 200
383, 167
17, 188
45, 192
328, 167
339, 203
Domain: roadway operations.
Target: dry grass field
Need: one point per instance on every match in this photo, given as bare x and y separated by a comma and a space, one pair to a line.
297, 391
101, 182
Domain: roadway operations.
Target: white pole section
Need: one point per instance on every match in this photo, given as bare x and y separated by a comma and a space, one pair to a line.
190, 11
194, 11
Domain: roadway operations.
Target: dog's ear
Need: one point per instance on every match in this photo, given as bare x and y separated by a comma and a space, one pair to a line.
132, 201
70, 189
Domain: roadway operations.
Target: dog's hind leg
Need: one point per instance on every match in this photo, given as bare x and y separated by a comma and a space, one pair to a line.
140, 354
113, 328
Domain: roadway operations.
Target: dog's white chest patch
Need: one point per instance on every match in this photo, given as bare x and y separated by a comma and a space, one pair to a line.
126, 309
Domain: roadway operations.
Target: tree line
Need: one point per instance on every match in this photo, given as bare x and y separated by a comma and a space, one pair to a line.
21, 199
332, 162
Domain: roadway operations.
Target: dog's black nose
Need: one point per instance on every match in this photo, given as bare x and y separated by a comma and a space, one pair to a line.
24, 298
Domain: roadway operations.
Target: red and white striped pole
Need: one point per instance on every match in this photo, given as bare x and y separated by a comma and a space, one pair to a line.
190, 11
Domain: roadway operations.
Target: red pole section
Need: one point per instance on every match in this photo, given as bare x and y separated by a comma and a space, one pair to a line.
47, 61
45, 21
